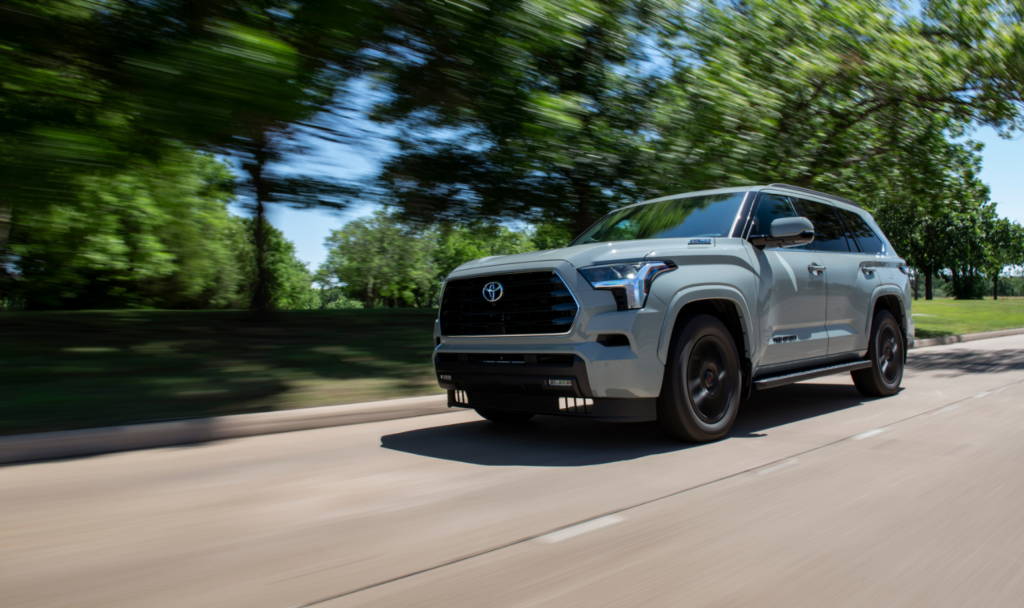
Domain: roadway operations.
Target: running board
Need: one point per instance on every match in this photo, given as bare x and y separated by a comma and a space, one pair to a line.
782, 379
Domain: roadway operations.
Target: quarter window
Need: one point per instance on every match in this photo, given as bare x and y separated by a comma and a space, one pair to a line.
829, 234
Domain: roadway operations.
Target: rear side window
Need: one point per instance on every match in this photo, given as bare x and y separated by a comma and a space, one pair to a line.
861, 232
770, 208
829, 234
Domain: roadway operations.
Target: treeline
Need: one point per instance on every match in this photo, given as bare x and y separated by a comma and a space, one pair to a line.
543, 112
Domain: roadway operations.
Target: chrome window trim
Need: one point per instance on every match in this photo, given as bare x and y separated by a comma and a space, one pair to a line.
572, 326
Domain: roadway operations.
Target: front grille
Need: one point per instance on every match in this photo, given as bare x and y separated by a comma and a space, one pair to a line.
530, 303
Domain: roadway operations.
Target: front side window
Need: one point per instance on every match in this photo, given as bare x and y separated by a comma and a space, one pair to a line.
829, 234
770, 208
861, 232
695, 216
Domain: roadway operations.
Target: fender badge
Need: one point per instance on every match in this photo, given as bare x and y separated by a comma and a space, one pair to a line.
700, 241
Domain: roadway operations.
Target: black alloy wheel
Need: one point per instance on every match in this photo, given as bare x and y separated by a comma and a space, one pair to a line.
886, 353
701, 391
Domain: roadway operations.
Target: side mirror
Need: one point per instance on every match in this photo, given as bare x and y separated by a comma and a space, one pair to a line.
786, 231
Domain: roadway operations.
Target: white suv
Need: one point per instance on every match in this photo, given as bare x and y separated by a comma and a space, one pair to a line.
674, 309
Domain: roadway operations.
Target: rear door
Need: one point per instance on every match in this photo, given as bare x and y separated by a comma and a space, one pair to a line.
850, 278
791, 291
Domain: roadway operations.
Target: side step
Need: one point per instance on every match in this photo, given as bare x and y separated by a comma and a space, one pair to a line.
791, 377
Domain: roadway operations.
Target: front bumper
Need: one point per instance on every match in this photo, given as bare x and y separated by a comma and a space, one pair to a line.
611, 380
556, 385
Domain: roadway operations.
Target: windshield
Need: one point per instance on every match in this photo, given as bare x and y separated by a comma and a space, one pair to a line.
690, 217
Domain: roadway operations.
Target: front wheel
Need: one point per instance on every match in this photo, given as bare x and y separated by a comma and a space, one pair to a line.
886, 353
701, 393
503, 416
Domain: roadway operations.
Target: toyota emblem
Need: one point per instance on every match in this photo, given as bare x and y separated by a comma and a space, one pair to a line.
493, 291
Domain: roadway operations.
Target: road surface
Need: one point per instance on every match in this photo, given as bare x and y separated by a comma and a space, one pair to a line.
818, 498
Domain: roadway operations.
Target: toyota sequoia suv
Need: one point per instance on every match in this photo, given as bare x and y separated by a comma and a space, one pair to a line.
676, 308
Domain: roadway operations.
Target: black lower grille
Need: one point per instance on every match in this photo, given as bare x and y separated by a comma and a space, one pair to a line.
529, 303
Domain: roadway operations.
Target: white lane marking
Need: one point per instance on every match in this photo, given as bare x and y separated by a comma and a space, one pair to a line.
948, 408
587, 526
999, 390
870, 433
980, 395
782, 465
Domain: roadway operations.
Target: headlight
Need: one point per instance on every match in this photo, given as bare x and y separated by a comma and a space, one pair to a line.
633, 278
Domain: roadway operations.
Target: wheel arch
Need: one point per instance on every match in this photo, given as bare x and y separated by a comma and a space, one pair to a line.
720, 301
890, 298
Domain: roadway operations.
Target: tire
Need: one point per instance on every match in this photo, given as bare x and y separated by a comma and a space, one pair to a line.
503, 416
700, 396
886, 353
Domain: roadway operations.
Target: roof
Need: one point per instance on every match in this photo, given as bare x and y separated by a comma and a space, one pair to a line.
794, 189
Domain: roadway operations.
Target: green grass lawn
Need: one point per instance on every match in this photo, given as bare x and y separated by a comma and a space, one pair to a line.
65, 370
947, 317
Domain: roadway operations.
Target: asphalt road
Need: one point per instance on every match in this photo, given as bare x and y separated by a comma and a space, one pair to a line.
818, 498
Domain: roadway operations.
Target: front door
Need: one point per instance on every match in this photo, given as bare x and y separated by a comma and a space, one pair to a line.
850, 279
792, 292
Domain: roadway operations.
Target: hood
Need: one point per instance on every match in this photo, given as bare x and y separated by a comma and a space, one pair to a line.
579, 256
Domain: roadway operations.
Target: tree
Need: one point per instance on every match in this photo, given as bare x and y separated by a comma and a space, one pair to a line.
1004, 242
548, 108
287, 279
381, 260
856, 97
94, 86
458, 244
154, 234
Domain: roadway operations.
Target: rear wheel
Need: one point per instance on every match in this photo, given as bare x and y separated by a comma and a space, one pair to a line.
701, 393
886, 353
503, 416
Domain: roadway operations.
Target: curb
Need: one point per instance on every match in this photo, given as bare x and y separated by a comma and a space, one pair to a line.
89, 442
967, 337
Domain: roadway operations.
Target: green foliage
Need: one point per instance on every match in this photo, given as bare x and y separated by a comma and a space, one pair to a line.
381, 260
458, 244
153, 235
548, 99
288, 279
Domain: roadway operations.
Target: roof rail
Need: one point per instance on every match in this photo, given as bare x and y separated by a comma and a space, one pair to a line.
809, 191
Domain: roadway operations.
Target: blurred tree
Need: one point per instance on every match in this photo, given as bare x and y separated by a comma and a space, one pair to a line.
460, 243
856, 97
287, 279
154, 235
511, 108
91, 86
381, 261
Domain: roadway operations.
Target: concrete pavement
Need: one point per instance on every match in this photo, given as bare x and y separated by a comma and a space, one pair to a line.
818, 497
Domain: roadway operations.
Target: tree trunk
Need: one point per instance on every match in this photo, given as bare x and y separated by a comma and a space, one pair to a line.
582, 190
262, 296
928, 284
995, 286
5, 232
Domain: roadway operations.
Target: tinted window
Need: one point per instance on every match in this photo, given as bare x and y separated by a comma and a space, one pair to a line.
693, 216
829, 234
861, 232
770, 208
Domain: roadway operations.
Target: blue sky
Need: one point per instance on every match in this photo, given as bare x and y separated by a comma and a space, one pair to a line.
1002, 170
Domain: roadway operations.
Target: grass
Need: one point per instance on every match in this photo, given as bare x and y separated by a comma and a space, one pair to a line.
67, 370
85, 369
947, 317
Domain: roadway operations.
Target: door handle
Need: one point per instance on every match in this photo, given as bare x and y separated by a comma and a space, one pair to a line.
816, 268
867, 270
